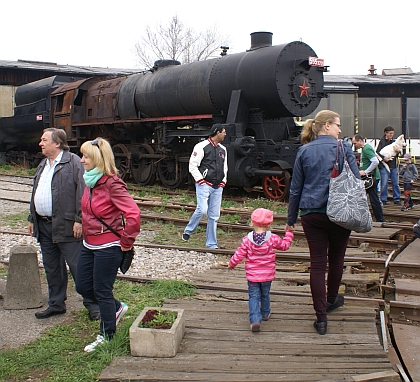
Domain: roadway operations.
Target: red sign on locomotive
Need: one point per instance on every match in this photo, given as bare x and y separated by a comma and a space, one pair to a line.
315, 61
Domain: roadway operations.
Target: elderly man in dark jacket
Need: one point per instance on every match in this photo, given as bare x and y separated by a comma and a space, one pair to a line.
55, 218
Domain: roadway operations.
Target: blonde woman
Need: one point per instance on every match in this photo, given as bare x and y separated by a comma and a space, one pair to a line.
105, 201
309, 193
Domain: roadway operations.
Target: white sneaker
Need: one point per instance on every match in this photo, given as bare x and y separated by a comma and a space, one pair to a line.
92, 346
120, 312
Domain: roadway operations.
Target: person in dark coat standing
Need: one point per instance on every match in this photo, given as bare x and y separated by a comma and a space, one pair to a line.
56, 218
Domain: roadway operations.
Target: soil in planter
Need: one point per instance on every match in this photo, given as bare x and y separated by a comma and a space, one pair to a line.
151, 315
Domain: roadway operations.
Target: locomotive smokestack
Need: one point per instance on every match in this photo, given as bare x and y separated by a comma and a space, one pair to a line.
372, 70
261, 39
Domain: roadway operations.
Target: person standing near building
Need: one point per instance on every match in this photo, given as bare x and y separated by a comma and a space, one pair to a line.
409, 175
208, 166
56, 218
386, 140
369, 166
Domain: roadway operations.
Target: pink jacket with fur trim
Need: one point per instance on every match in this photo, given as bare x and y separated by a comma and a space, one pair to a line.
260, 260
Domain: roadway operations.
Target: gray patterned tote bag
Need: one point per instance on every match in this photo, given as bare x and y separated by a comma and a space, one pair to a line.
347, 202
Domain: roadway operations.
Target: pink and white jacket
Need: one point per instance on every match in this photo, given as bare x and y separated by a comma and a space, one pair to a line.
260, 260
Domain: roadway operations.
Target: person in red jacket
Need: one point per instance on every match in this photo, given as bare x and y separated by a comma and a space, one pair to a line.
258, 249
105, 202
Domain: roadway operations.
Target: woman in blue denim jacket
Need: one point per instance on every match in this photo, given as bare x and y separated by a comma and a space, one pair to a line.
309, 193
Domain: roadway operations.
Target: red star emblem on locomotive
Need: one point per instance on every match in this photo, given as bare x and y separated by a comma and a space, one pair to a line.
304, 89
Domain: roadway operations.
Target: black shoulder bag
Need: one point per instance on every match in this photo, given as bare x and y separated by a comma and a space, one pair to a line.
127, 255
368, 179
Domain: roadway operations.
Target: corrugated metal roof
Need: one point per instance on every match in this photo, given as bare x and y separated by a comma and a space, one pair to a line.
68, 69
393, 76
413, 78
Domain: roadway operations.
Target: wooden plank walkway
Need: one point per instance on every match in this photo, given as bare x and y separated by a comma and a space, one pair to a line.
219, 346
407, 332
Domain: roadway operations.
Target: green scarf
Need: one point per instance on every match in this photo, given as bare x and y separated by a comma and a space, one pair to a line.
92, 176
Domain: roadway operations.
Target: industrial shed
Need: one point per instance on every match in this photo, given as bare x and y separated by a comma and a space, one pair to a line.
367, 104
16, 73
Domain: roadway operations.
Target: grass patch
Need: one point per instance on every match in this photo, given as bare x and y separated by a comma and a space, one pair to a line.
3, 270
185, 198
164, 233
229, 204
276, 207
8, 169
16, 219
58, 354
230, 219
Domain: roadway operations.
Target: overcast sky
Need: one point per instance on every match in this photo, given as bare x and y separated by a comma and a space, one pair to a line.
350, 36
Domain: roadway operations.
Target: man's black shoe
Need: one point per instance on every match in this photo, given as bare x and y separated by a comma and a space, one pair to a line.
185, 237
94, 315
48, 313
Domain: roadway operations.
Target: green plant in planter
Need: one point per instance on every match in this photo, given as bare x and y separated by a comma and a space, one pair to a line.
158, 319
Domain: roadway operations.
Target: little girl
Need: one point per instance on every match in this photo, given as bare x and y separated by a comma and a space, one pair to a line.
258, 247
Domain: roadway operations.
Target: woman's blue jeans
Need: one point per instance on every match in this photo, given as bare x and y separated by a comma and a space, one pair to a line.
259, 300
96, 273
209, 200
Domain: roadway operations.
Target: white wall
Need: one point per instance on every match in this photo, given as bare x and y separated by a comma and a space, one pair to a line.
7, 100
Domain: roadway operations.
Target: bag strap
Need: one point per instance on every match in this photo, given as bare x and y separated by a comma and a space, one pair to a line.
97, 217
336, 167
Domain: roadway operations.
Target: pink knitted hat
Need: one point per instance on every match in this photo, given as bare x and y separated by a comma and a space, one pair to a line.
262, 217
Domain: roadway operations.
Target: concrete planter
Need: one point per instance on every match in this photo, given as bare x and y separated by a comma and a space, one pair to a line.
146, 342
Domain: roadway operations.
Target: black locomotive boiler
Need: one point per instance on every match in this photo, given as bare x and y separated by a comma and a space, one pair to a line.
154, 118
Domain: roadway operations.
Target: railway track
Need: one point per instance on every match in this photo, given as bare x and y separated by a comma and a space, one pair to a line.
375, 268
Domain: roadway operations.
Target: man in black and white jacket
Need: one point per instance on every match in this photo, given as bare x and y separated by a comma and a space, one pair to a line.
208, 166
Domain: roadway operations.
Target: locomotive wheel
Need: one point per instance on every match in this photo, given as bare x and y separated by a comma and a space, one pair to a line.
122, 160
142, 168
172, 173
276, 187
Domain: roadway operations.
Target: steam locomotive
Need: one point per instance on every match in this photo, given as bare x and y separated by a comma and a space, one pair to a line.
154, 118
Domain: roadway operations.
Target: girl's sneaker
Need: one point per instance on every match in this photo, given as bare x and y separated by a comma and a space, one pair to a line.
120, 312
100, 339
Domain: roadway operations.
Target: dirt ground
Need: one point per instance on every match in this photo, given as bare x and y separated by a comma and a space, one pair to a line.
20, 326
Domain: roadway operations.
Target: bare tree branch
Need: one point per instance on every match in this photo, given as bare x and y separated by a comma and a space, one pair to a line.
175, 41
